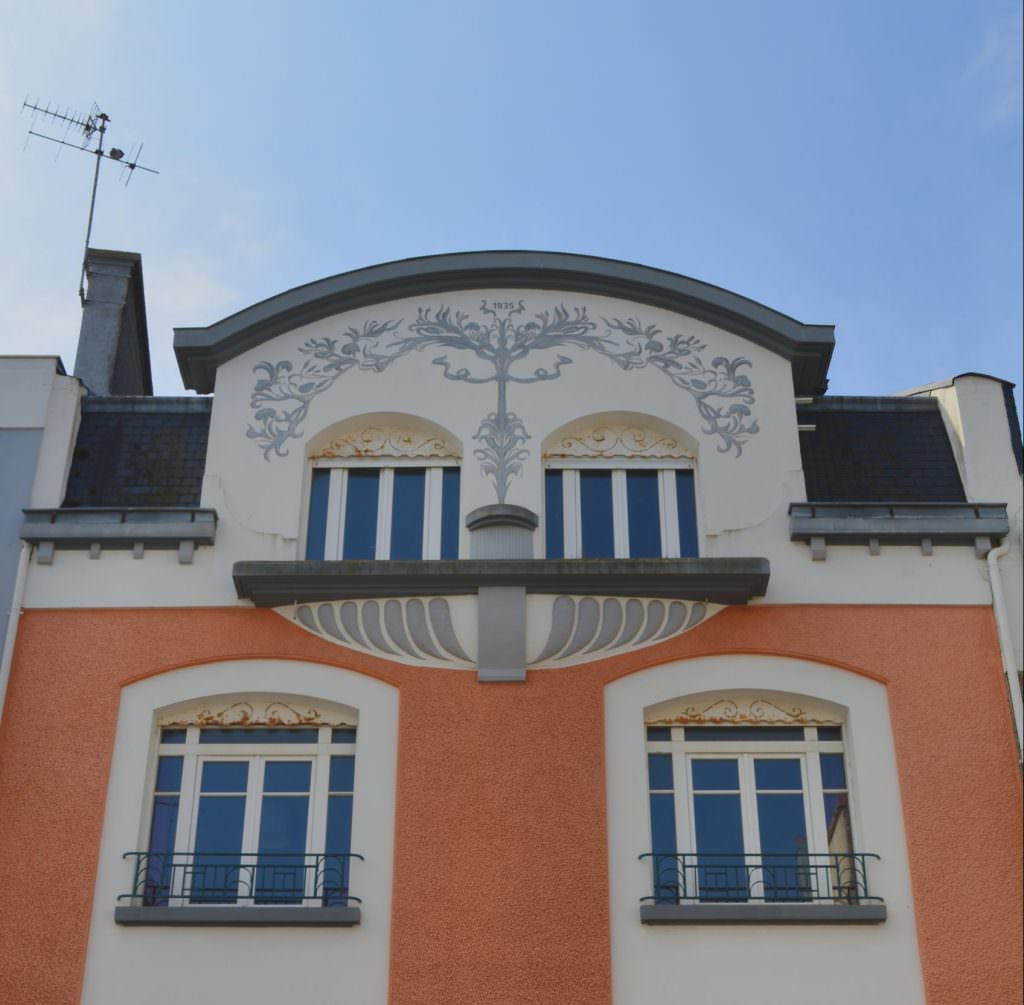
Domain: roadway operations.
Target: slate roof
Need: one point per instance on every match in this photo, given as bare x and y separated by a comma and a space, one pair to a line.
136, 451
877, 450
139, 451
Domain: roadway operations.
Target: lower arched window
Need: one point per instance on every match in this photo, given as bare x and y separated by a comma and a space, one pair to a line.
750, 807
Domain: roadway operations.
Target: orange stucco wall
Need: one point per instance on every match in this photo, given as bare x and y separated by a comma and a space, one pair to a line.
500, 882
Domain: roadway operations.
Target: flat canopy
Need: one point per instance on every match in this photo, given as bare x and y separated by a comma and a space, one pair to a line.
807, 347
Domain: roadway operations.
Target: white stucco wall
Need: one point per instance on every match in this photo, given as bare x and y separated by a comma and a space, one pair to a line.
165, 966
781, 965
742, 500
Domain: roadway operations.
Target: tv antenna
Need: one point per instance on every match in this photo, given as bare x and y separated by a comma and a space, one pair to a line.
90, 130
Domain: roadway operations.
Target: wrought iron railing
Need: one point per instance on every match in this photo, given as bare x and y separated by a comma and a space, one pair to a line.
163, 879
836, 878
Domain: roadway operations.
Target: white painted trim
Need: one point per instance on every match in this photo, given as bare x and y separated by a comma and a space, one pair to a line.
620, 514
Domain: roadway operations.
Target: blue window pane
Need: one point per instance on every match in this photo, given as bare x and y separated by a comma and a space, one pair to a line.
280, 866
830, 732
361, 492
554, 532
716, 775
157, 883
407, 513
721, 867
659, 733
686, 507
168, 774
596, 514
833, 775
663, 823
643, 509
225, 776
339, 824
258, 735
343, 771
286, 776
316, 525
450, 513
164, 823
781, 823
659, 771
216, 871
730, 734
345, 734
172, 735
664, 864
785, 870
778, 774
339, 842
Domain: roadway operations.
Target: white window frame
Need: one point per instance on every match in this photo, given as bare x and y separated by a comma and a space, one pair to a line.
256, 754
684, 752
572, 523
334, 537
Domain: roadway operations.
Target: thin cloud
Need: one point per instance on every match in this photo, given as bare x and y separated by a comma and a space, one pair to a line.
995, 70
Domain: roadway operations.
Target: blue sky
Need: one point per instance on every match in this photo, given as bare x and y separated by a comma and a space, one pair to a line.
855, 164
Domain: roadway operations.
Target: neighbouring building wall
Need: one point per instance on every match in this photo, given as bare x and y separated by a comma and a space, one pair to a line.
38, 422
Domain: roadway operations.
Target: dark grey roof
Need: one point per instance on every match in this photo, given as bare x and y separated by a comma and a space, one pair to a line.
139, 452
878, 450
808, 348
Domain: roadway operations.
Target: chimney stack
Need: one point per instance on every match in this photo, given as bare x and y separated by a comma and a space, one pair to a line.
113, 344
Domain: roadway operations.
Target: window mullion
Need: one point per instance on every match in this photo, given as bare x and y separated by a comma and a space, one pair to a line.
667, 514
571, 525
815, 804
748, 805
684, 831
335, 514
385, 505
620, 514
432, 513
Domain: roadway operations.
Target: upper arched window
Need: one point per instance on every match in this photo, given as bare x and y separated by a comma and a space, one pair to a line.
620, 485
383, 486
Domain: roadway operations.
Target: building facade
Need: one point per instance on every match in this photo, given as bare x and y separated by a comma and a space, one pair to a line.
510, 628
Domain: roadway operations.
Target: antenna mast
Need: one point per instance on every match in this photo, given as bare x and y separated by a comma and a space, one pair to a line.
93, 129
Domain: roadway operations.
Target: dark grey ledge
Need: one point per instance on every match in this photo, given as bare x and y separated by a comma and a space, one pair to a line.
125, 528
264, 917
763, 914
714, 580
877, 523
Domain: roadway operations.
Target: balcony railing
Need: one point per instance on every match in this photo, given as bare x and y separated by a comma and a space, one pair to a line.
164, 879
710, 878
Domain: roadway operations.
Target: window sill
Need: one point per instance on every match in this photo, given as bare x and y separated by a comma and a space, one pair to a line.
762, 914
315, 917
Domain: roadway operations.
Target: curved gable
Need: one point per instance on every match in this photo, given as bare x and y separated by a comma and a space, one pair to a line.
808, 348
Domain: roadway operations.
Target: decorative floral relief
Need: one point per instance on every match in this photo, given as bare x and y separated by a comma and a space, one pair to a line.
618, 441
758, 711
244, 713
496, 349
375, 441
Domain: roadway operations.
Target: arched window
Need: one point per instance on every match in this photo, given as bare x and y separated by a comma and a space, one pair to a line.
620, 485
383, 486
749, 801
251, 806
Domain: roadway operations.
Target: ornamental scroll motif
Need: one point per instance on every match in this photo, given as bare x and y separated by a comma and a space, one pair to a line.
608, 440
743, 711
268, 713
377, 441
496, 348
